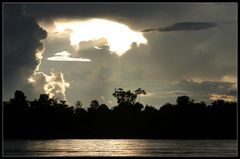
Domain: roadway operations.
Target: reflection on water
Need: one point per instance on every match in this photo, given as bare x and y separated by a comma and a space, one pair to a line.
119, 147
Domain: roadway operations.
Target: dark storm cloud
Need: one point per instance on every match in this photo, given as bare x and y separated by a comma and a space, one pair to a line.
149, 30
188, 26
184, 26
22, 36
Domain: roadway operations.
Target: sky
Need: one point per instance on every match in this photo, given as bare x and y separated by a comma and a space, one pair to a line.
82, 51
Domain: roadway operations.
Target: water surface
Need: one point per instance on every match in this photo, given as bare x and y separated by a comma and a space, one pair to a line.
121, 147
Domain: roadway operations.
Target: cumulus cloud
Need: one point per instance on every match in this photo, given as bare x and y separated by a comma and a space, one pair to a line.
184, 26
54, 85
65, 56
21, 40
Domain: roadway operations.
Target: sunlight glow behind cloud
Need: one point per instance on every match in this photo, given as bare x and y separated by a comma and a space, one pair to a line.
118, 36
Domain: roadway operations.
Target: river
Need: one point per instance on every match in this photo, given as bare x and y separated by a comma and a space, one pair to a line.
121, 147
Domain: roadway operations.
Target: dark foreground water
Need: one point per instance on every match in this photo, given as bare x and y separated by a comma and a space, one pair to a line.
120, 147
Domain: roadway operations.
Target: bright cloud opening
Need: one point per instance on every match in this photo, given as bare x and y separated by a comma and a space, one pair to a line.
118, 36
64, 56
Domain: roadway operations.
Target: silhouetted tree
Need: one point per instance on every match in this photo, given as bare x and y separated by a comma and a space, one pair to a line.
137, 107
93, 106
19, 100
44, 100
140, 91
124, 96
183, 100
78, 109
218, 104
149, 109
166, 108
19, 96
78, 104
103, 108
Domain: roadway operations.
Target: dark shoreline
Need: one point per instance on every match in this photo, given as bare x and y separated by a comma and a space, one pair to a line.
47, 118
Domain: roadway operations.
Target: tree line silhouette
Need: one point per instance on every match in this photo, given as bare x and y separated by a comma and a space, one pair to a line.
47, 118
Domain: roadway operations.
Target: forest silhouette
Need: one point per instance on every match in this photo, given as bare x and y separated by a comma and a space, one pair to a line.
49, 118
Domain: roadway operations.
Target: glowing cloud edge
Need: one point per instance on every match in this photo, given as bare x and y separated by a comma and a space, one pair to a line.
64, 56
56, 58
